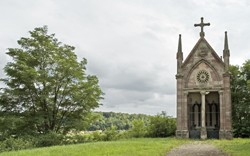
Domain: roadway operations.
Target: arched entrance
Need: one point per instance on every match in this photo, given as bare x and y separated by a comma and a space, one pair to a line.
211, 114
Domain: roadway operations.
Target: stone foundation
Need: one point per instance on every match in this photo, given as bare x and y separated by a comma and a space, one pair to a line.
182, 134
225, 134
203, 133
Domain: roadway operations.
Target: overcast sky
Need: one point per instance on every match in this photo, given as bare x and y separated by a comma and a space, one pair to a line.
131, 45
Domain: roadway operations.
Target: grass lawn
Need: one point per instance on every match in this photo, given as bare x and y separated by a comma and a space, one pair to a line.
131, 147
235, 147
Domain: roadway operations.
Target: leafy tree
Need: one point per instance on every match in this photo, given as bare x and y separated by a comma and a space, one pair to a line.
161, 125
138, 129
46, 86
240, 87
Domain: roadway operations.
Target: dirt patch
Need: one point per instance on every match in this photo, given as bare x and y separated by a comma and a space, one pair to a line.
196, 148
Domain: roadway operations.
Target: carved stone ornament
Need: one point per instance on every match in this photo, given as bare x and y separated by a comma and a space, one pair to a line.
203, 51
202, 76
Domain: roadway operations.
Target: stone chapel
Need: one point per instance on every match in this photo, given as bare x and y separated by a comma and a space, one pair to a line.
203, 91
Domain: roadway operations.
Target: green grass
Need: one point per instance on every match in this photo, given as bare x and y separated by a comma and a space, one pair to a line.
131, 147
235, 147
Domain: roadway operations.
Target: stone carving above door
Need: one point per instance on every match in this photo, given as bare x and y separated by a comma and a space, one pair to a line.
202, 76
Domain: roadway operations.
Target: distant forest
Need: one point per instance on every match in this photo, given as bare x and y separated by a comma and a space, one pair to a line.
122, 121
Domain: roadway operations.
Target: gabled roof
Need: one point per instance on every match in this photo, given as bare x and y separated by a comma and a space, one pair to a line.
202, 39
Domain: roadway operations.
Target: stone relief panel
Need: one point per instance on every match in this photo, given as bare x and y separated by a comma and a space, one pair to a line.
203, 76
203, 52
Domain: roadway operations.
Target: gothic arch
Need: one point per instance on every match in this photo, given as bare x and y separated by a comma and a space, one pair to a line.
218, 78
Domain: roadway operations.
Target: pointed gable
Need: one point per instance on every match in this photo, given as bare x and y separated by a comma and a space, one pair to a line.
202, 58
201, 50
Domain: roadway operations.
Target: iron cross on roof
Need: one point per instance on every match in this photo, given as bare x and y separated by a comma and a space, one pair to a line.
202, 24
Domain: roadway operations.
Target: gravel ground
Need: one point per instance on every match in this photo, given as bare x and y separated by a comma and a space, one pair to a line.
196, 149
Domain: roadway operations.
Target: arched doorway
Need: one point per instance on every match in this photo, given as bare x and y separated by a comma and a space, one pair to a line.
211, 114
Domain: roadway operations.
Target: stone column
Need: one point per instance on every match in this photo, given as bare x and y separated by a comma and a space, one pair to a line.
228, 106
179, 99
222, 117
185, 131
203, 115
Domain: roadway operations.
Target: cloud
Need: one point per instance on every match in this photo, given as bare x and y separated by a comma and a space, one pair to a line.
130, 45
137, 102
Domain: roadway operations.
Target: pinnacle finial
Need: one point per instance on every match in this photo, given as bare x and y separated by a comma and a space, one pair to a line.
226, 42
226, 51
202, 24
179, 51
226, 54
179, 56
179, 44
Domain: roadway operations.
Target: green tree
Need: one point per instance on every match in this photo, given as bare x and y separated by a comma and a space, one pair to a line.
138, 129
46, 86
161, 125
240, 87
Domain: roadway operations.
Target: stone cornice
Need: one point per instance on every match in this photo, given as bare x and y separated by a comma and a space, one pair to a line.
203, 89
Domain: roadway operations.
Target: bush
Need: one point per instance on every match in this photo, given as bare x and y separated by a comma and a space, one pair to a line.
11, 144
110, 134
49, 139
98, 136
138, 129
161, 126
76, 138
124, 134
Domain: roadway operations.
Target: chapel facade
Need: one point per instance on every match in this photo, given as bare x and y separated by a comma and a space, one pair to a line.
203, 91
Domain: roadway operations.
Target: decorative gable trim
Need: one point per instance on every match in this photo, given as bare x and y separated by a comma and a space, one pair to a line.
195, 48
218, 77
